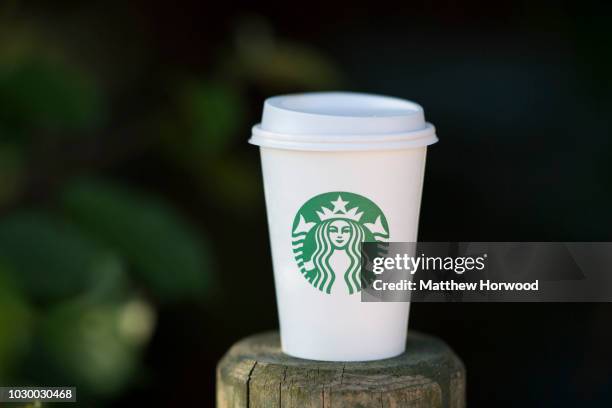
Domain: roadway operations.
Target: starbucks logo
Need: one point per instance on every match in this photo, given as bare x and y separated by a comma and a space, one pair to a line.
326, 238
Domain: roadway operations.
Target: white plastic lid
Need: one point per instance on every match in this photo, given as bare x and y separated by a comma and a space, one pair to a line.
342, 121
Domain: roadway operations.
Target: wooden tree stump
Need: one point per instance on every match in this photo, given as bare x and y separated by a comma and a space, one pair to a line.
255, 373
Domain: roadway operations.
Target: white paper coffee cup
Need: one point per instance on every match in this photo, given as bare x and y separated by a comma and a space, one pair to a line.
339, 169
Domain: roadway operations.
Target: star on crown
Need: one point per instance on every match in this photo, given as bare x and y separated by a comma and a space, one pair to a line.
339, 211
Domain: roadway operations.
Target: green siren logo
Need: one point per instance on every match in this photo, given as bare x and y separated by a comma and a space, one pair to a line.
327, 234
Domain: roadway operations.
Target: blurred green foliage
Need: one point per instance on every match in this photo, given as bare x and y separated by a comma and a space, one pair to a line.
52, 260
93, 345
37, 94
213, 112
277, 64
87, 260
12, 171
162, 249
16, 316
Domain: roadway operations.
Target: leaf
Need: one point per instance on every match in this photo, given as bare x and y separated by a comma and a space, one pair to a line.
275, 63
53, 260
12, 172
38, 94
89, 344
15, 321
163, 250
214, 113
231, 181
292, 65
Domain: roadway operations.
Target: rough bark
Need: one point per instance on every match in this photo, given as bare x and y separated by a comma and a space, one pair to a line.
255, 373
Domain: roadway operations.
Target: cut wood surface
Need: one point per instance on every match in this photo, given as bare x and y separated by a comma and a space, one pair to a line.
255, 373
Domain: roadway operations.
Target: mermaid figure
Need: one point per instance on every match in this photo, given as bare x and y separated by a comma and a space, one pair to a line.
335, 249
337, 245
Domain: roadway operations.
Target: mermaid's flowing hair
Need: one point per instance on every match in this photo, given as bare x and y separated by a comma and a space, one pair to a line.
324, 248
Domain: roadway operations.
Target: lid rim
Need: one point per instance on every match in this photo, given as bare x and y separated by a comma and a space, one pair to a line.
360, 142
340, 148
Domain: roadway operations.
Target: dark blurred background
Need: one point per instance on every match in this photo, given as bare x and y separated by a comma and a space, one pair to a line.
125, 178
